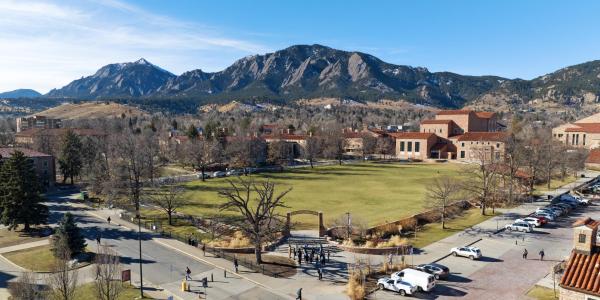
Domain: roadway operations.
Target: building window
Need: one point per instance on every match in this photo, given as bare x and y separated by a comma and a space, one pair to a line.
497, 145
462, 154
440, 130
573, 139
582, 238
462, 144
584, 139
577, 140
401, 146
417, 146
497, 156
409, 147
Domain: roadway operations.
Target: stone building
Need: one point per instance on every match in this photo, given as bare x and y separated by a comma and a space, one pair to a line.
44, 164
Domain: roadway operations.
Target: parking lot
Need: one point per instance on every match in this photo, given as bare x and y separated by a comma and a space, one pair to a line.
502, 273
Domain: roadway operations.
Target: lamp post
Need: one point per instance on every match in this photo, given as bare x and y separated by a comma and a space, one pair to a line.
139, 217
349, 224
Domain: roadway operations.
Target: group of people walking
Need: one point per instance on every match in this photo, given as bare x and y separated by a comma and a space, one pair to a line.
311, 254
541, 253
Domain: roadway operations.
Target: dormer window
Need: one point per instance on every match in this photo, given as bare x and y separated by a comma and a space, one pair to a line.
582, 238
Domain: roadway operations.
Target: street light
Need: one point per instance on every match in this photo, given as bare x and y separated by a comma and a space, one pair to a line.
349, 224
138, 216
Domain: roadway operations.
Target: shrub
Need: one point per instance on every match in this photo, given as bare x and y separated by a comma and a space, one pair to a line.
355, 288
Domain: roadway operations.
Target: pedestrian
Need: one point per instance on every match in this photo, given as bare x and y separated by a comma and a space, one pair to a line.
328, 254
190, 239
299, 294
108, 219
525, 253
299, 258
542, 254
235, 263
289, 251
294, 251
390, 257
188, 273
204, 249
98, 239
319, 272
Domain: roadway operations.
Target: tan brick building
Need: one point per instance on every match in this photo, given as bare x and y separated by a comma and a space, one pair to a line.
414, 145
457, 134
584, 133
581, 279
40, 122
44, 164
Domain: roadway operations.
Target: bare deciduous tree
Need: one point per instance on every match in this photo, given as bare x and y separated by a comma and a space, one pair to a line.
168, 199
257, 203
483, 177
25, 288
313, 149
63, 280
334, 145
440, 194
107, 267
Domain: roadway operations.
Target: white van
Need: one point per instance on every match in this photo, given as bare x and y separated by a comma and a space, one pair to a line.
423, 281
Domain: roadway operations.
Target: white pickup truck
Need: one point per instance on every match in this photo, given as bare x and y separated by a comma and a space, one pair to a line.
401, 287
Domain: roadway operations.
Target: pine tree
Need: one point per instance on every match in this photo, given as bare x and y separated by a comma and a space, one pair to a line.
70, 157
20, 199
67, 232
192, 132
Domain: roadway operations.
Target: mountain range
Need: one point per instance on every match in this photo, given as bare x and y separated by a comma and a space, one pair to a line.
20, 93
315, 71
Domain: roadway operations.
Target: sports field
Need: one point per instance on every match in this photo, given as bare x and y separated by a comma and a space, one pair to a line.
372, 192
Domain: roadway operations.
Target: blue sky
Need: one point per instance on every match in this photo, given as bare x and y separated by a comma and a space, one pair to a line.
47, 44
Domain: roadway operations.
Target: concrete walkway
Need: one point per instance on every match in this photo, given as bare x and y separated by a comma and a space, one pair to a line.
25, 246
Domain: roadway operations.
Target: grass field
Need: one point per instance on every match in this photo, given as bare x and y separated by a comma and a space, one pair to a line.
554, 184
372, 192
433, 232
15, 237
38, 259
87, 292
542, 293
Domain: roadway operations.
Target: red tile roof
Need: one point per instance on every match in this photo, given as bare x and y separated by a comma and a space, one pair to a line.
437, 122
594, 157
455, 112
585, 127
582, 273
7, 152
285, 136
483, 136
485, 114
411, 135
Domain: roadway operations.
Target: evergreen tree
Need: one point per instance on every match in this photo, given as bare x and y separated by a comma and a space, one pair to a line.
20, 199
70, 157
68, 233
192, 132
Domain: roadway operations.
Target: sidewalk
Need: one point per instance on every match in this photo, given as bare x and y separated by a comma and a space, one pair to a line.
24, 246
283, 288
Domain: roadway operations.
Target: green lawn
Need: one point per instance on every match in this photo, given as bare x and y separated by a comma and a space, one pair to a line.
16, 237
372, 192
433, 232
172, 170
87, 292
39, 259
542, 293
554, 184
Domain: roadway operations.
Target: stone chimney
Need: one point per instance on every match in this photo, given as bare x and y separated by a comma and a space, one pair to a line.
584, 237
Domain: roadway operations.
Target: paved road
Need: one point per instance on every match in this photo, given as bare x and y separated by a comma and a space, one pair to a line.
162, 267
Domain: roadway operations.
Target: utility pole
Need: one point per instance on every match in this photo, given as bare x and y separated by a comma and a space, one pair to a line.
349, 224
139, 217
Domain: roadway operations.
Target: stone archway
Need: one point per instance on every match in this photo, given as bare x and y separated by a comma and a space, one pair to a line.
322, 230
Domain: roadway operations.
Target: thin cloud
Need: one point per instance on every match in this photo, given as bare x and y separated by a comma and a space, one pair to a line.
48, 44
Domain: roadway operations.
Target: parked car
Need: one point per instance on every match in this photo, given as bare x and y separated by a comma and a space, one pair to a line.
438, 271
421, 280
218, 174
470, 252
542, 220
535, 222
546, 211
200, 175
519, 226
234, 172
547, 216
401, 287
